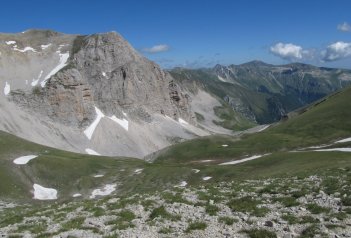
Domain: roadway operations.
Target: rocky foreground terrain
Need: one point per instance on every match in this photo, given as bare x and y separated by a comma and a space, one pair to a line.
299, 206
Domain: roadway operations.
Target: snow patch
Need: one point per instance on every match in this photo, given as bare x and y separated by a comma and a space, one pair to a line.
124, 114
35, 81
206, 178
90, 130
317, 147
205, 161
104, 74
193, 129
91, 152
221, 79
224, 145
76, 195
43, 47
123, 123
336, 149
10, 42
42, 193
196, 170
98, 176
182, 184
25, 49
24, 159
107, 190
242, 160
60, 47
138, 171
181, 121
263, 128
62, 63
344, 140
7, 88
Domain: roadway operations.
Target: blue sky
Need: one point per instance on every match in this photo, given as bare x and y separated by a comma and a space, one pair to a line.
202, 33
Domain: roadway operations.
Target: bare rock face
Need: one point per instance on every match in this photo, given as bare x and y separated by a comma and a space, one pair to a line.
68, 83
105, 71
69, 98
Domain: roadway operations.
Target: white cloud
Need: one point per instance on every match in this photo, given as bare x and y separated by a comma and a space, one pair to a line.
345, 27
289, 51
156, 49
336, 51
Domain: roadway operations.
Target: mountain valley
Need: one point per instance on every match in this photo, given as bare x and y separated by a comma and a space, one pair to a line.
98, 141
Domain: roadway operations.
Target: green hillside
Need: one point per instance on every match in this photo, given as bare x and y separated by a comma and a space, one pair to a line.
320, 123
71, 173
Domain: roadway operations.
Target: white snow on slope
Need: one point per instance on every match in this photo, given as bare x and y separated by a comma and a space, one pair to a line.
205, 161
206, 178
138, 171
104, 74
123, 123
98, 176
242, 160
7, 88
76, 195
182, 184
43, 47
221, 79
336, 149
196, 170
25, 49
344, 140
107, 190
193, 129
11, 42
317, 147
62, 63
224, 145
263, 128
325, 145
91, 152
24, 159
90, 130
35, 81
181, 121
42, 193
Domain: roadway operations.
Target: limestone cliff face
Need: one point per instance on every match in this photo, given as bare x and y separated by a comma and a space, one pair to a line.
69, 98
105, 71
91, 92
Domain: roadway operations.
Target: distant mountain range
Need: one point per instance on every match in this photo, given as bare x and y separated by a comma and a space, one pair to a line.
263, 93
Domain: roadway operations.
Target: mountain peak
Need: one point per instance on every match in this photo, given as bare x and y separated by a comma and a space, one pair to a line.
255, 63
46, 32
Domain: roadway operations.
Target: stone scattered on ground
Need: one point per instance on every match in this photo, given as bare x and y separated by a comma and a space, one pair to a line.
279, 207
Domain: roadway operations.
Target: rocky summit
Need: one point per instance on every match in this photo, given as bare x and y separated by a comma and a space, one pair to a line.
90, 93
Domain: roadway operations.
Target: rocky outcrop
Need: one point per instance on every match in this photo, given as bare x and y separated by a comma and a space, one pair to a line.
239, 106
68, 80
105, 71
